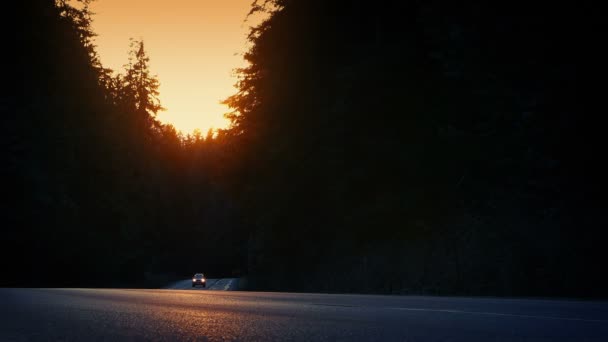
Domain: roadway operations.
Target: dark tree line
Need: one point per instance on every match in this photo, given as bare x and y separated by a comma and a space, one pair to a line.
420, 147
97, 191
388, 147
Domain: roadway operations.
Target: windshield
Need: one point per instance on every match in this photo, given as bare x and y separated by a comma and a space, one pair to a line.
199, 275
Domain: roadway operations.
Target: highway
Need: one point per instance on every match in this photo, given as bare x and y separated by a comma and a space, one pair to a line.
211, 315
223, 284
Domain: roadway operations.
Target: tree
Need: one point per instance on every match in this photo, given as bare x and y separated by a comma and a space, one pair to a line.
141, 87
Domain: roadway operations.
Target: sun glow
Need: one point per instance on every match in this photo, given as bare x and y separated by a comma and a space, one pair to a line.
193, 45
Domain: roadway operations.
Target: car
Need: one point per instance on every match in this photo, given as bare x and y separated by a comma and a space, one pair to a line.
199, 279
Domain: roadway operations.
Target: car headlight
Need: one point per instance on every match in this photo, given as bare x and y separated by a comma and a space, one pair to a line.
193, 279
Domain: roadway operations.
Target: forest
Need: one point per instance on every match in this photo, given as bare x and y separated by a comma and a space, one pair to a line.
391, 147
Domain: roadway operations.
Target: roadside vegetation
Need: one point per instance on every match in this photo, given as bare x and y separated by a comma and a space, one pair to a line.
394, 147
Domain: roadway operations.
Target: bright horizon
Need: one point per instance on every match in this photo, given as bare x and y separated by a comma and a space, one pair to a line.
193, 45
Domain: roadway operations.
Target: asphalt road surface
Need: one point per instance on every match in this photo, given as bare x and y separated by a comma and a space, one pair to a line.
175, 315
224, 284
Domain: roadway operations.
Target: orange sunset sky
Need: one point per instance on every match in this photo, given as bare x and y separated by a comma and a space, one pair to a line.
193, 46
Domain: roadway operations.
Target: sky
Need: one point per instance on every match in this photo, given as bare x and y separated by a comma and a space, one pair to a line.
193, 45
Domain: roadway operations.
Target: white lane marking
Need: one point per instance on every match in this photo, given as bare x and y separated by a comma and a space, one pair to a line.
503, 314
228, 285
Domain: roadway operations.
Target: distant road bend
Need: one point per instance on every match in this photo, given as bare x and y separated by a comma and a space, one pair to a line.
169, 315
224, 284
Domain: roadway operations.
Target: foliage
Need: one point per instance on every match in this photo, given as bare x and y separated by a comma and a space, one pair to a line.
390, 147
417, 147
100, 193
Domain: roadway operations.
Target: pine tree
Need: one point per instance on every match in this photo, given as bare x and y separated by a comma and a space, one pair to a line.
141, 87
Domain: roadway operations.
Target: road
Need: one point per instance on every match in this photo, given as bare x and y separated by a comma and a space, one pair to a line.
224, 284
168, 315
